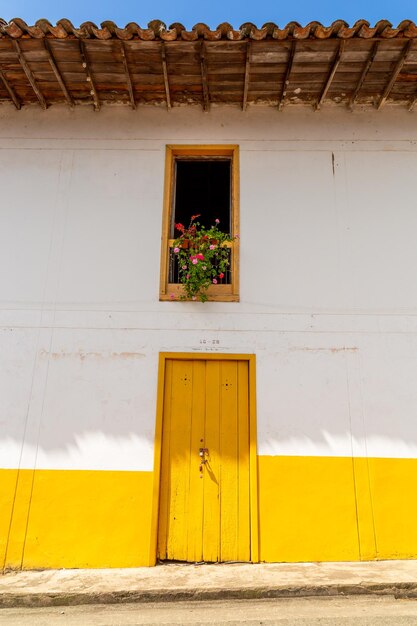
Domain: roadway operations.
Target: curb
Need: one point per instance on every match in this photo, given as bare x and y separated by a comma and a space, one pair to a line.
45, 599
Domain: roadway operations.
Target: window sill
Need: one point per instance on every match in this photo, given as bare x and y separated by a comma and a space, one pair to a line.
215, 293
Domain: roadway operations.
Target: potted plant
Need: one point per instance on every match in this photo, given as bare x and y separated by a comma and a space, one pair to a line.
203, 257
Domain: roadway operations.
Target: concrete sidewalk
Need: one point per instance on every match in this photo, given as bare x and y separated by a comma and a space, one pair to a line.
207, 582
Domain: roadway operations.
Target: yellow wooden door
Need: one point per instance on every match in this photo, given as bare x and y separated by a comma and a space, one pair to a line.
204, 512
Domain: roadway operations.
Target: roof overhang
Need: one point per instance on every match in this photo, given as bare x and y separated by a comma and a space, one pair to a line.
313, 64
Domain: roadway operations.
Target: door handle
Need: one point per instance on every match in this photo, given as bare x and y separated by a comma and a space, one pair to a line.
202, 454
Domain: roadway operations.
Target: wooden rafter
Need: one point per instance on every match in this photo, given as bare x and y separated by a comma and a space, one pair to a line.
57, 73
128, 77
165, 72
364, 74
247, 73
285, 84
93, 90
331, 74
412, 103
10, 91
204, 77
397, 69
29, 74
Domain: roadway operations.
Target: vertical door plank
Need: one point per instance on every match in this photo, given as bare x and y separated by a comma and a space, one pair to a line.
211, 523
180, 439
243, 463
195, 502
163, 521
229, 461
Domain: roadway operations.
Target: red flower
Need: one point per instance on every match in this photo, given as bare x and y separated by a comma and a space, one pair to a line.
221, 275
194, 217
180, 227
200, 256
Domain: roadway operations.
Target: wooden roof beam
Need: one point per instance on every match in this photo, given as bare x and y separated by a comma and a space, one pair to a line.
204, 77
128, 77
57, 73
10, 91
412, 103
29, 74
365, 71
93, 90
247, 73
397, 69
286, 82
165, 72
332, 72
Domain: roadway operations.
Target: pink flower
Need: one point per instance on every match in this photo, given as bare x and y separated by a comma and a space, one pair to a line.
192, 257
194, 298
176, 250
195, 261
214, 281
184, 267
200, 256
212, 246
187, 277
171, 295
217, 221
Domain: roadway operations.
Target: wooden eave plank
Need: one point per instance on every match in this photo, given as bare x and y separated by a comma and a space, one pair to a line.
29, 74
246, 80
128, 77
57, 73
204, 77
10, 91
86, 66
332, 72
287, 76
165, 73
397, 69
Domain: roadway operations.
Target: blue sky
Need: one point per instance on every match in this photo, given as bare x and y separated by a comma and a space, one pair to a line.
210, 11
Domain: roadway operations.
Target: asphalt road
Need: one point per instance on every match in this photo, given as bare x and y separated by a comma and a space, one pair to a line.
350, 611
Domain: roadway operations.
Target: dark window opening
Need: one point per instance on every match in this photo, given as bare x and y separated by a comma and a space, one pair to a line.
202, 187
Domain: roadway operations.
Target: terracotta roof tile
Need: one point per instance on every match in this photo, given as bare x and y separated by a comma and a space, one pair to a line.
18, 28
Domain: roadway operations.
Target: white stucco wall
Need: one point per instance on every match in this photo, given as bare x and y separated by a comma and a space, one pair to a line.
328, 281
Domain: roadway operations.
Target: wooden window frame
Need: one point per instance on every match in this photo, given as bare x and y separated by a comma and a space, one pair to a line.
219, 293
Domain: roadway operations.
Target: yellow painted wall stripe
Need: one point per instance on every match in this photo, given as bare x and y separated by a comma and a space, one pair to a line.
337, 509
310, 509
75, 519
393, 490
307, 509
